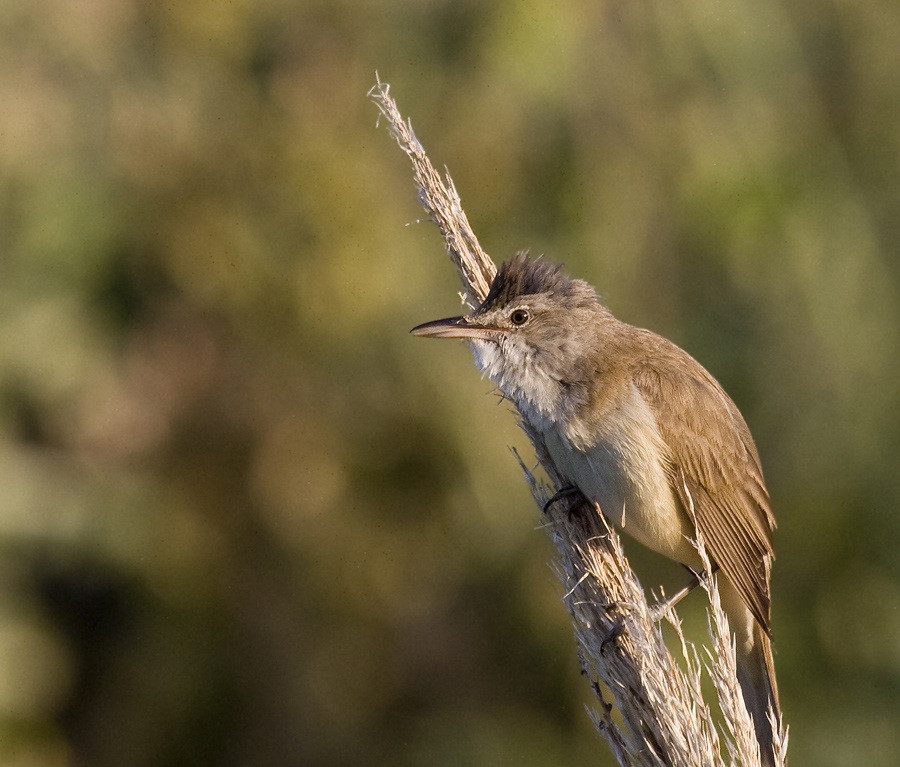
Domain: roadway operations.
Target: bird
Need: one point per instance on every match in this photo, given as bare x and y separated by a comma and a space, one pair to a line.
643, 431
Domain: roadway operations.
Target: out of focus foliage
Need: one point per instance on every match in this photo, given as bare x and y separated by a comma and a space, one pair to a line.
247, 520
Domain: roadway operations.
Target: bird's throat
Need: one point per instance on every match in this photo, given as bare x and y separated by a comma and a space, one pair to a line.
542, 399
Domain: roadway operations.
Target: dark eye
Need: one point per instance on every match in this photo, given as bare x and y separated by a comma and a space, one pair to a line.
519, 316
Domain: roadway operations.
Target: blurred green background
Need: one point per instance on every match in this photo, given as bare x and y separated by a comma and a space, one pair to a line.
246, 519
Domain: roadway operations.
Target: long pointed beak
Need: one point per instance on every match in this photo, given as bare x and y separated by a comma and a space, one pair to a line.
455, 327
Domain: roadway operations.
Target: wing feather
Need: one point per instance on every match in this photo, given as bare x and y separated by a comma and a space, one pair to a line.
714, 466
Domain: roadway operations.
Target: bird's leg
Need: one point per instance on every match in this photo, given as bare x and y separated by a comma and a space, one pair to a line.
564, 492
663, 606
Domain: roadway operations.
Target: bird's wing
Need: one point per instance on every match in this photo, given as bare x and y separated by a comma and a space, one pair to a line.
715, 471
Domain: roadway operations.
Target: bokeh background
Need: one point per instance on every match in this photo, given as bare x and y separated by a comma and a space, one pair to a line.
246, 519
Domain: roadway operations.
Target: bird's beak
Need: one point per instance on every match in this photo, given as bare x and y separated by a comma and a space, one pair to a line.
456, 327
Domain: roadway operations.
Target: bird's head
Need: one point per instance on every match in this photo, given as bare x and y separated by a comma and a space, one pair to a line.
533, 334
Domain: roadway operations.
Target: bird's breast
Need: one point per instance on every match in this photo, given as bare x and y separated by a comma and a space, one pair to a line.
620, 464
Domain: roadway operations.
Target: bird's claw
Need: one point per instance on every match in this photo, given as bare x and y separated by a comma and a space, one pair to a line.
564, 492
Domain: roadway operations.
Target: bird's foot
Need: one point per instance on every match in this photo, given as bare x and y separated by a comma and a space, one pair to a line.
658, 611
617, 629
564, 492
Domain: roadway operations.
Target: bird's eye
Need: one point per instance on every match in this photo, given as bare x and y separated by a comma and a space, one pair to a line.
519, 316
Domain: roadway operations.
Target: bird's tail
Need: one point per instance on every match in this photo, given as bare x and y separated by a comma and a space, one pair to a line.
756, 674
